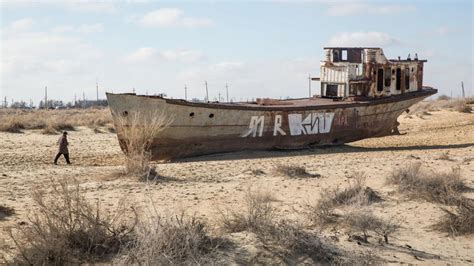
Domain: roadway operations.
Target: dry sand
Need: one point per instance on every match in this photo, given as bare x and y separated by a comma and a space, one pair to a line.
205, 185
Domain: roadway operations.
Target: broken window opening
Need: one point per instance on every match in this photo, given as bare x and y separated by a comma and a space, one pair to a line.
380, 79
407, 78
388, 77
398, 79
344, 55
331, 90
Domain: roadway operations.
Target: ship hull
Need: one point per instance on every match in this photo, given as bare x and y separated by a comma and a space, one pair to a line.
202, 128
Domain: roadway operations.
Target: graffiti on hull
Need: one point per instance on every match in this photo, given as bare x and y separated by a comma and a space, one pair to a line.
313, 123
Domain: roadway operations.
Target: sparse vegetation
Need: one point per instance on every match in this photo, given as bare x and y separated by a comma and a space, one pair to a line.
463, 107
6, 211
259, 217
179, 240
445, 188
138, 133
445, 156
52, 121
66, 229
356, 193
460, 221
364, 221
293, 171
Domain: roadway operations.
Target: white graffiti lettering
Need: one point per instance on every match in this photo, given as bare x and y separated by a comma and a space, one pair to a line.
277, 127
256, 124
313, 123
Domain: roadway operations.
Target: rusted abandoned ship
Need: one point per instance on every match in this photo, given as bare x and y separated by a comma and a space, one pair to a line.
362, 95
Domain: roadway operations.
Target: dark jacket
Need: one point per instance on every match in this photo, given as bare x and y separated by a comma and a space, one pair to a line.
62, 142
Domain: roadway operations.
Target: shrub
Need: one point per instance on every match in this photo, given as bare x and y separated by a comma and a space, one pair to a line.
287, 237
12, 126
444, 97
460, 222
462, 107
6, 211
293, 171
65, 229
357, 193
365, 221
137, 133
179, 240
257, 217
445, 188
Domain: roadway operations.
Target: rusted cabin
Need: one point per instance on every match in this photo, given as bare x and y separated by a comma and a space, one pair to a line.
365, 72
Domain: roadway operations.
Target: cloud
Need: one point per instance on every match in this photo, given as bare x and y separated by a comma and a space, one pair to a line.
19, 25
371, 39
367, 9
84, 28
24, 53
90, 6
172, 17
150, 55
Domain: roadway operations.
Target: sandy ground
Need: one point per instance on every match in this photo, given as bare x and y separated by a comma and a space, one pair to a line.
206, 185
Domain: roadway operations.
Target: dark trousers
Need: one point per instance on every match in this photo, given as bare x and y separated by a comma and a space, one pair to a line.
65, 156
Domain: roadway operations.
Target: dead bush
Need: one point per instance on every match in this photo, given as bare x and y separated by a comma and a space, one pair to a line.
445, 188
257, 216
49, 130
444, 97
364, 221
445, 156
462, 107
137, 133
64, 228
356, 193
180, 240
12, 125
6, 211
286, 237
459, 222
293, 171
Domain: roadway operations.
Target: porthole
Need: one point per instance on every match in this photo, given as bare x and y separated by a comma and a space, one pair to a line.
191, 114
125, 113
211, 115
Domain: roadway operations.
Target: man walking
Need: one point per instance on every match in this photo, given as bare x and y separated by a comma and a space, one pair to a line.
62, 142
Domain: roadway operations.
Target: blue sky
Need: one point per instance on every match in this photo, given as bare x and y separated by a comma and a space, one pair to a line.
260, 48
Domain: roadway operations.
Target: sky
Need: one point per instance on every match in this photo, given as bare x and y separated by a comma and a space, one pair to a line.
259, 48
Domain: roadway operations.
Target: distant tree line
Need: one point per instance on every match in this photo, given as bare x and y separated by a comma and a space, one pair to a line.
57, 104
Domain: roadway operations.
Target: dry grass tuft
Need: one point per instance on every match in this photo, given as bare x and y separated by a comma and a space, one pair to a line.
445, 156
257, 217
180, 240
460, 222
284, 236
6, 211
357, 193
293, 171
137, 133
463, 107
445, 188
65, 229
12, 125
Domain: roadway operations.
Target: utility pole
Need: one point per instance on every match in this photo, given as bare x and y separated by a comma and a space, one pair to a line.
462, 86
309, 85
227, 92
83, 100
97, 90
5, 103
46, 97
219, 99
74, 100
207, 92
185, 92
